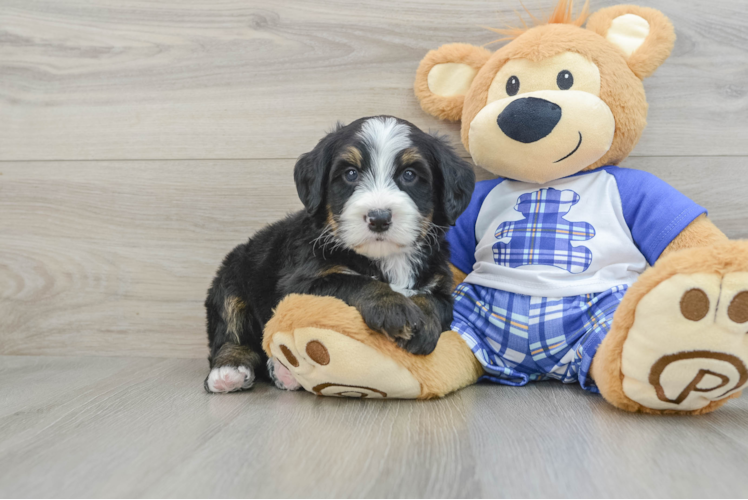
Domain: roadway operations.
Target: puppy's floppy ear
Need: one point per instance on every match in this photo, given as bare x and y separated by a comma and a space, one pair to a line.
645, 35
310, 175
444, 77
457, 178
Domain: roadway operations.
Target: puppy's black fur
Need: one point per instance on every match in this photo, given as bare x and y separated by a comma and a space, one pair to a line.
287, 257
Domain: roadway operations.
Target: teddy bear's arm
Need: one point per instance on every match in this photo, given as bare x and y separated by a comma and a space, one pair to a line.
457, 275
700, 233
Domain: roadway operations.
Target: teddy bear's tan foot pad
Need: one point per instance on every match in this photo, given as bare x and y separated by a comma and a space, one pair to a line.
688, 345
328, 363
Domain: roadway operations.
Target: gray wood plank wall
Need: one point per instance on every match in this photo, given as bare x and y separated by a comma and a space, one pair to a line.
140, 141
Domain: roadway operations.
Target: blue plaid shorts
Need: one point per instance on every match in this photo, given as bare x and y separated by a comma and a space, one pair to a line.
519, 338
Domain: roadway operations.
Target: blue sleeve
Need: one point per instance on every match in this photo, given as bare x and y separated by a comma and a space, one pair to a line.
461, 237
654, 211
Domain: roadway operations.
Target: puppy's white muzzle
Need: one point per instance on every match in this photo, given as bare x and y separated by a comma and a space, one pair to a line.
379, 222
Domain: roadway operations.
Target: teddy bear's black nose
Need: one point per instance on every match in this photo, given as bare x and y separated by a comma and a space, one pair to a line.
529, 119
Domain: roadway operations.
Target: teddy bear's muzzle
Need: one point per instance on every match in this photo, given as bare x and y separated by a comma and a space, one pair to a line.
543, 135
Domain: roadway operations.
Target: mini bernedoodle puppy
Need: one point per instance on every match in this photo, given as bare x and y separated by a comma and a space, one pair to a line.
379, 195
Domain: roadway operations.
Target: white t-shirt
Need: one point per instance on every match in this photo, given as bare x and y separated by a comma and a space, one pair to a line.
581, 234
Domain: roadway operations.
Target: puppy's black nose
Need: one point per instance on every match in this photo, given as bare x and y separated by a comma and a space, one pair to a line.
529, 119
379, 220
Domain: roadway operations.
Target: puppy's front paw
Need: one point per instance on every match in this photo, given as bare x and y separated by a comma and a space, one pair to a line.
282, 376
424, 339
397, 317
229, 379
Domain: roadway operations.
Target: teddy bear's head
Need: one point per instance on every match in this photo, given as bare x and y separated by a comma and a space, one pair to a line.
558, 98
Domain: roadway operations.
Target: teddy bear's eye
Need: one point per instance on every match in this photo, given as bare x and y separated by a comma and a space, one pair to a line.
512, 86
565, 80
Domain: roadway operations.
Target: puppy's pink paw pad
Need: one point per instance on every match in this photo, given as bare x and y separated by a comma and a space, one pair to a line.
282, 376
229, 379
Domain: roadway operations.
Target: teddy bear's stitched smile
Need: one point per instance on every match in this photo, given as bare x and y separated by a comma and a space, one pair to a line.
574, 151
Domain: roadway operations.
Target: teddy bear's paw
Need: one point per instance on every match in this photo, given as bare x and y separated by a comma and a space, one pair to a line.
328, 363
688, 345
229, 379
282, 376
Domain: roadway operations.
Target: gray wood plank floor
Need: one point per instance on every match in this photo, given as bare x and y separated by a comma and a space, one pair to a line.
136, 427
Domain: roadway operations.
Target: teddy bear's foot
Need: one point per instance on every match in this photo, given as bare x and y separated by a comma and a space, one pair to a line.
327, 348
686, 349
330, 364
688, 345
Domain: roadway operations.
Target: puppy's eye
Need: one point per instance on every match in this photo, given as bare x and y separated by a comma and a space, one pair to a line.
351, 175
409, 176
565, 80
512, 86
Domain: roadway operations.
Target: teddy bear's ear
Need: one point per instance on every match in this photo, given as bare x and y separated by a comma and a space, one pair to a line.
444, 77
645, 35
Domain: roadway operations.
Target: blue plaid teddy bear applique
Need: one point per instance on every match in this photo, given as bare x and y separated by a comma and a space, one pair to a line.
544, 237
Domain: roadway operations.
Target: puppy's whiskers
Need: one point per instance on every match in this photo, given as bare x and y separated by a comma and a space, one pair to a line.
432, 234
326, 238
322, 240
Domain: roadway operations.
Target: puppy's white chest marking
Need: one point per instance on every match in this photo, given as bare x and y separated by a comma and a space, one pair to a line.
398, 269
403, 291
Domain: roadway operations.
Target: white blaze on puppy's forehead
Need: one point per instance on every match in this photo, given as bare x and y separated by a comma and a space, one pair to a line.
384, 138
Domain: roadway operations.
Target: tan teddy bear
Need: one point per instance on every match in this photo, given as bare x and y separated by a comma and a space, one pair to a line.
553, 255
